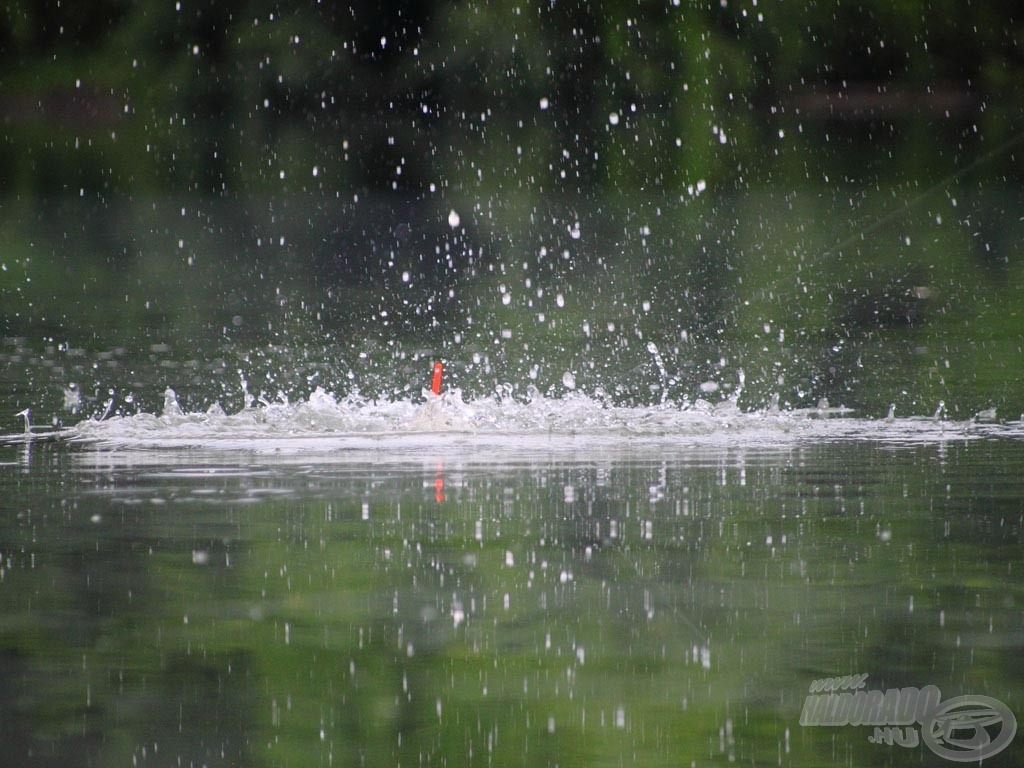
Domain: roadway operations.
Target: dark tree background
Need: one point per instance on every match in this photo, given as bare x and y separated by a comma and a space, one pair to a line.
223, 96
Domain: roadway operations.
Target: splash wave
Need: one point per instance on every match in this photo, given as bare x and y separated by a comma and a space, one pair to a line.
324, 423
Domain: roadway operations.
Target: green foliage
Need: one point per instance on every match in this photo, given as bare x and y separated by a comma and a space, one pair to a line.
451, 87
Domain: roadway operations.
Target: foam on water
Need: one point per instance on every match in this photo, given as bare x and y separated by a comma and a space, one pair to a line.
324, 424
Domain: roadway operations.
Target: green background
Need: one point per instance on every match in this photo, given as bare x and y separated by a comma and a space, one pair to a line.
823, 195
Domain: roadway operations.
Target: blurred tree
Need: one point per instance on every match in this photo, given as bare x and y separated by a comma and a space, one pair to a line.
654, 94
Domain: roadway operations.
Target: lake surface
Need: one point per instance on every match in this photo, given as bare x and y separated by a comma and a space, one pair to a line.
181, 591
701, 444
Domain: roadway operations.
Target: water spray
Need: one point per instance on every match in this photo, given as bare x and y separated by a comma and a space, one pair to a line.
653, 349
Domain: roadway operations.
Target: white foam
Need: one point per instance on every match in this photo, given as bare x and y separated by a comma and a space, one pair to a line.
325, 424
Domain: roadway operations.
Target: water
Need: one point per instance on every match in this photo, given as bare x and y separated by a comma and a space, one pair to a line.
106, 310
647, 511
732, 398
323, 583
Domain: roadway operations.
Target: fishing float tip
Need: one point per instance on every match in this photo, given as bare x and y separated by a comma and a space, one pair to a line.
435, 384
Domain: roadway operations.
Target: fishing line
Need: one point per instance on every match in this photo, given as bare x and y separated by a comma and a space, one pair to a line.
956, 175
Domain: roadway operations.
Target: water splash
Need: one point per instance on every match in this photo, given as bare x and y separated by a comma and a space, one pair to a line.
324, 423
662, 373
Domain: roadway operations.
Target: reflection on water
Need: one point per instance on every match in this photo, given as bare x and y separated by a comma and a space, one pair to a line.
632, 604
